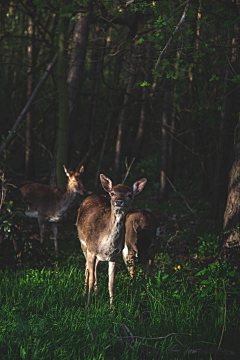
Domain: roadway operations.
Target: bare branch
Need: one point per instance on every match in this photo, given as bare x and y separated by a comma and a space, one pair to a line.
181, 196
128, 168
174, 32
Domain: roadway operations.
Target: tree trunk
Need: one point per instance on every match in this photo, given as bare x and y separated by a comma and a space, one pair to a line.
165, 123
94, 79
144, 105
63, 125
76, 72
121, 125
29, 146
231, 220
229, 118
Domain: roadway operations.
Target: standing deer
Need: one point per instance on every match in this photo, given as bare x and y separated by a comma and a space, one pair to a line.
142, 238
100, 225
47, 203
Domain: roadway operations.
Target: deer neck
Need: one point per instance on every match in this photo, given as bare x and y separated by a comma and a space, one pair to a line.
116, 230
67, 197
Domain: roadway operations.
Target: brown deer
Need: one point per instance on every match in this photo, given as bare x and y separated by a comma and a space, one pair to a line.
100, 225
47, 203
142, 237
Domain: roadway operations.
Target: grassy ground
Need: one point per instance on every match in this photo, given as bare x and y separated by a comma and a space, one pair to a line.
187, 310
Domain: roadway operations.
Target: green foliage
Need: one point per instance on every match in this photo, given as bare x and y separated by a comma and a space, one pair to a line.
209, 245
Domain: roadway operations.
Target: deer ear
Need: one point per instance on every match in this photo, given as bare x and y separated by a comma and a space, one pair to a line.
82, 169
138, 186
106, 183
67, 173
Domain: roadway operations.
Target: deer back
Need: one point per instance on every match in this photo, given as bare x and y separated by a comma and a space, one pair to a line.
48, 201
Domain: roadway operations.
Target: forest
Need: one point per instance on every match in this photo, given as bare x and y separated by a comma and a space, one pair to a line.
129, 89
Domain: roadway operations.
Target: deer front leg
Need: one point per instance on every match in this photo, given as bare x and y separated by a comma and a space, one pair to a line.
41, 223
55, 234
91, 260
111, 275
95, 273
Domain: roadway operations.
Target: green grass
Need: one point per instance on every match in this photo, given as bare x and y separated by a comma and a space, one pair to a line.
43, 312
43, 315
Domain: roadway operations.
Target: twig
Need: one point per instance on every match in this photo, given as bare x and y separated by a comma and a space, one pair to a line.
4, 190
166, 318
174, 32
181, 196
89, 329
225, 313
128, 168
119, 337
156, 338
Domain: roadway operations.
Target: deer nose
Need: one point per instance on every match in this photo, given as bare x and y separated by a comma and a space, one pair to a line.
119, 203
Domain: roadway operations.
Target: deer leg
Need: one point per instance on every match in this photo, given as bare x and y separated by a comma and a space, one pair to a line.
55, 234
86, 279
111, 275
95, 273
41, 223
91, 260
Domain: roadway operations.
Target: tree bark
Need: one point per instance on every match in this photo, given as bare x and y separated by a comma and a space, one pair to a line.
94, 79
165, 124
63, 125
231, 220
29, 146
122, 124
76, 72
229, 118
144, 105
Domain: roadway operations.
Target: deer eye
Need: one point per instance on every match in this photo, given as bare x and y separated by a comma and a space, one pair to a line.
112, 193
129, 196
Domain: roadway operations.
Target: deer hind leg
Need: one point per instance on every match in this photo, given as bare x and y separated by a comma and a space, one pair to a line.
41, 223
55, 234
111, 275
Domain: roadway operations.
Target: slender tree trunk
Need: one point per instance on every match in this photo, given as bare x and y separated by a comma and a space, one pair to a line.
165, 123
94, 79
76, 72
29, 149
63, 126
122, 123
144, 105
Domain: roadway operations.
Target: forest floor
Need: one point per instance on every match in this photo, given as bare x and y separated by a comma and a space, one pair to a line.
189, 297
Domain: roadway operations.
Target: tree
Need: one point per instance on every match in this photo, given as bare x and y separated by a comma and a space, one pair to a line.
63, 126
231, 220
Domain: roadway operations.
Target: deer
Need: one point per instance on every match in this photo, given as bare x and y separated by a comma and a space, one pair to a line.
101, 227
142, 239
48, 203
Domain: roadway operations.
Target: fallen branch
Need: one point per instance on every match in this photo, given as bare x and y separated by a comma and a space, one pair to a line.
225, 313
166, 318
89, 329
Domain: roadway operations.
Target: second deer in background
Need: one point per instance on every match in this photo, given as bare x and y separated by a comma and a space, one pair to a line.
48, 203
142, 239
